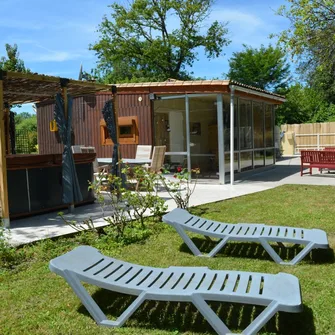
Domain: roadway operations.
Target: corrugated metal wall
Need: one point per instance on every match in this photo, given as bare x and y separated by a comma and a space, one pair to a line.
86, 123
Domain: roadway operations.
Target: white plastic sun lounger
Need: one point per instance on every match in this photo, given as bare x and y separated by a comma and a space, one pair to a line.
182, 220
280, 292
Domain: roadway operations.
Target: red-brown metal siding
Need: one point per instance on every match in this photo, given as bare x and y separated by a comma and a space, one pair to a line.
86, 123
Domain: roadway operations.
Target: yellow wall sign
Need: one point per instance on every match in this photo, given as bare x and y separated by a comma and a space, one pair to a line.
53, 126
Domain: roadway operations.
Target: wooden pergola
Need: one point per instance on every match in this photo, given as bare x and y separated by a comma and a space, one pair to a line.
20, 88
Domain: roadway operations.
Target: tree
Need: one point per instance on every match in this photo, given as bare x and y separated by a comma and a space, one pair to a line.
26, 128
265, 68
304, 104
156, 39
12, 62
310, 39
311, 34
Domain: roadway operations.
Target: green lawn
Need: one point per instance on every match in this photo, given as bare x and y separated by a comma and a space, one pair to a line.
35, 301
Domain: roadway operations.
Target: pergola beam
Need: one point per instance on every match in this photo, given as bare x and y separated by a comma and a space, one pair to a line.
21, 88
3, 164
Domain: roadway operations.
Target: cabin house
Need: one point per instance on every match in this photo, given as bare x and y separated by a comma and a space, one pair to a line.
220, 126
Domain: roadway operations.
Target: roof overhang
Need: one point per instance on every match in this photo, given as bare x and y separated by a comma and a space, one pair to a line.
20, 88
198, 86
257, 92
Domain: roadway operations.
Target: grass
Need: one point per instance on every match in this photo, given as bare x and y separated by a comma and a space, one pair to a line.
35, 301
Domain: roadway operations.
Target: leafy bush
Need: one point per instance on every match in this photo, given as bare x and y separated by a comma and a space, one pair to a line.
181, 189
141, 204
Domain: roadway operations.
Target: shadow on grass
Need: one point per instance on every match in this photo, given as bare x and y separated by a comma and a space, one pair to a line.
181, 316
256, 250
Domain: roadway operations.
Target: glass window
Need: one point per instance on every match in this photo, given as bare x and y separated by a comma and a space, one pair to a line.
226, 122
269, 126
269, 157
227, 162
170, 124
204, 134
258, 125
258, 158
245, 125
246, 161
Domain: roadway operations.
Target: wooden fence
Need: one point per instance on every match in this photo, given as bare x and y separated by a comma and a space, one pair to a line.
307, 136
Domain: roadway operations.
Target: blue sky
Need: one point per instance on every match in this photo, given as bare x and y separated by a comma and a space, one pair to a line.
54, 36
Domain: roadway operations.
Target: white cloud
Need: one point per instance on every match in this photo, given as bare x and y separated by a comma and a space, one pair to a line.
237, 17
36, 52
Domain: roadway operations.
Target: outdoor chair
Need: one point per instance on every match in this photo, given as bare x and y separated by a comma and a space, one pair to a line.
143, 152
280, 292
76, 149
157, 161
100, 172
182, 220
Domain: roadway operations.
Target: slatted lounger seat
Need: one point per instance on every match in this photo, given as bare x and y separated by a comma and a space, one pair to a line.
182, 220
280, 292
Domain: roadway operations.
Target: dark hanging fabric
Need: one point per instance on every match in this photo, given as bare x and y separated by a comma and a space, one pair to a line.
12, 132
71, 188
111, 125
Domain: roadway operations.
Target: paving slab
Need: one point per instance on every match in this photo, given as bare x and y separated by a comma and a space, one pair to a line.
286, 171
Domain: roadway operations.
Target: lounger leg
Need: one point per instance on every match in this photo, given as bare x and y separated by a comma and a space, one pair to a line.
187, 240
92, 307
262, 319
271, 251
210, 316
302, 253
218, 247
294, 261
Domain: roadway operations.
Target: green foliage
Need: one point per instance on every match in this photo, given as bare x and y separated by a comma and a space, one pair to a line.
310, 39
126, 205
265, 68
108, 191
46, 305
86, 225
311, 33
12, 62
143, 203
137, 43
26, 124
304, 104
9, 256
181, 189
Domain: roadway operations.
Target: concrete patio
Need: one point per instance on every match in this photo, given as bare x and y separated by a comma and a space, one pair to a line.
286, 171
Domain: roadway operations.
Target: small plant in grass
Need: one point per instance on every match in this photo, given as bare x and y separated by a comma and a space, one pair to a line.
109, 192
182, 187
86, 225
141, 204
9, 256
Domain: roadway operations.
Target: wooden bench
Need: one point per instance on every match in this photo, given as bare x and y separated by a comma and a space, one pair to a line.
324, 159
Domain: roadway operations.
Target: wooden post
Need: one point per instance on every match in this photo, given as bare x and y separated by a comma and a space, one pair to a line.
7, 134
3, 164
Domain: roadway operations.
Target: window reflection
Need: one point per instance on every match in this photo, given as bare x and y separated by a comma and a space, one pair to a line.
258, 125
245, 125
269, 126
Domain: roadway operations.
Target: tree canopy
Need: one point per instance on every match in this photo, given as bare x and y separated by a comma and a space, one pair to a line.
12, 62
311, 34
310, 40
265, 68
156, 39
